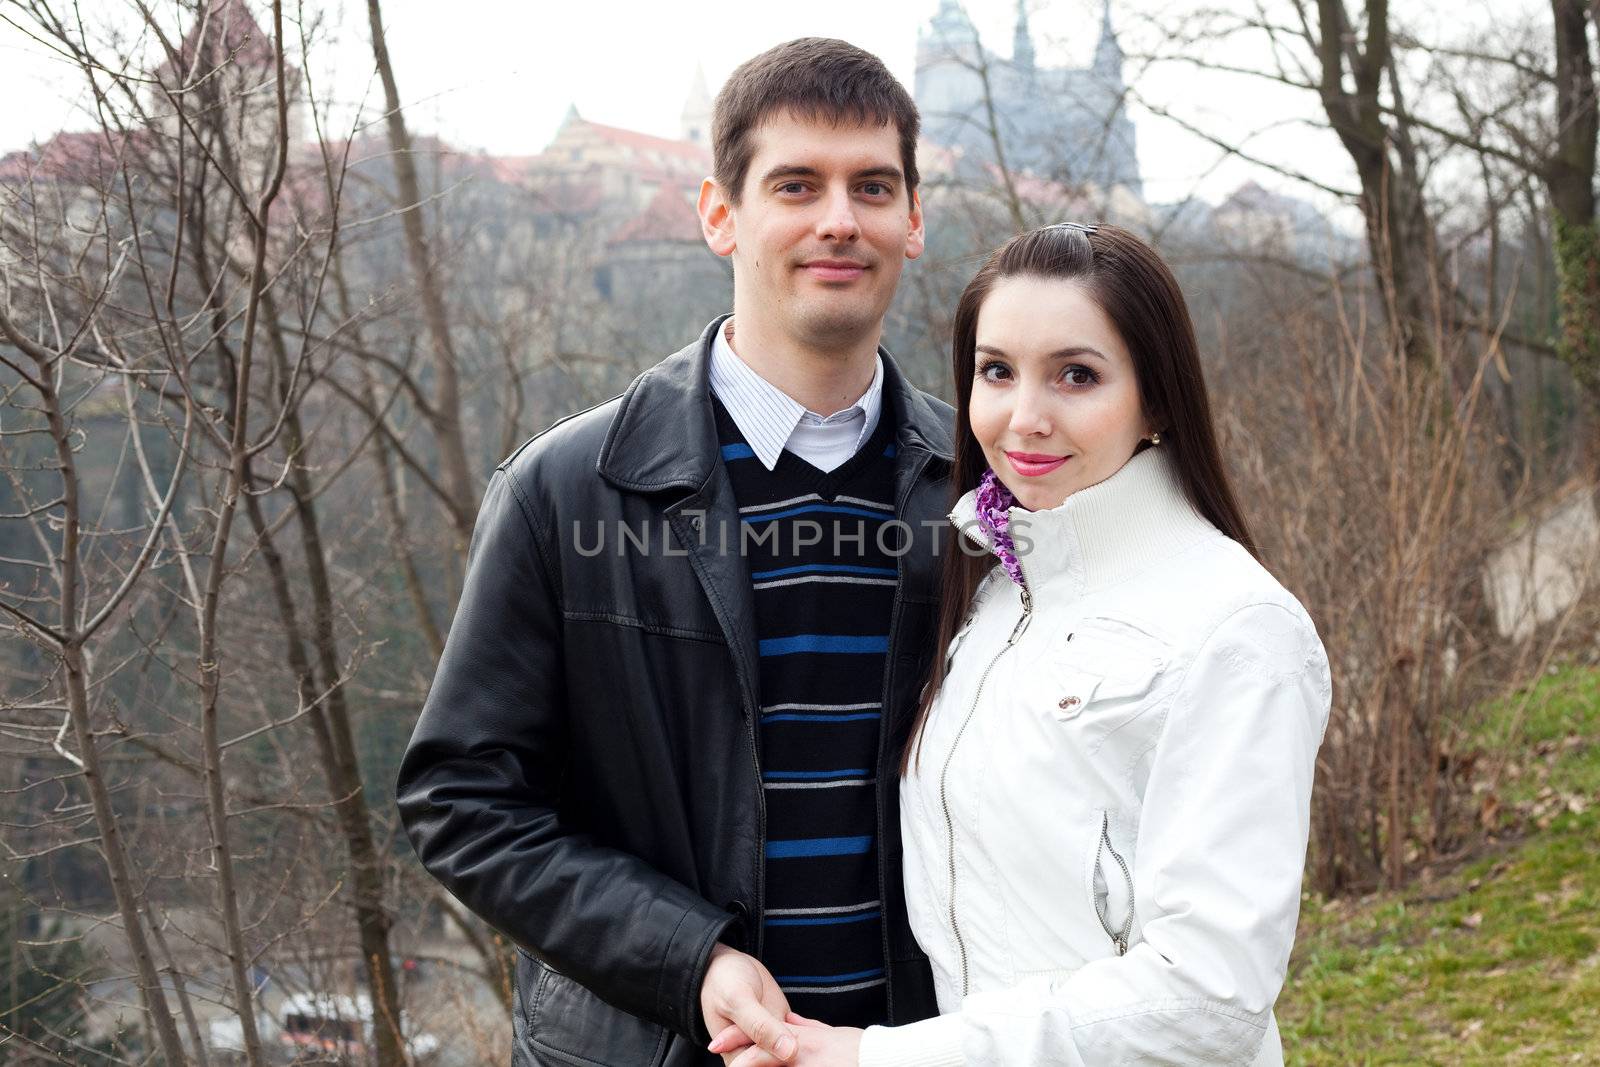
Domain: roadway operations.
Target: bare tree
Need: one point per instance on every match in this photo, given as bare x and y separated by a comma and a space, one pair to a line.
445, 410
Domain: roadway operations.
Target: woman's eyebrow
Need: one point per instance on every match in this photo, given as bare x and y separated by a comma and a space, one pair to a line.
1069, 352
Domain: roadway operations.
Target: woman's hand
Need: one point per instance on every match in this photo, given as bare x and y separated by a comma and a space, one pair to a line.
821, 1045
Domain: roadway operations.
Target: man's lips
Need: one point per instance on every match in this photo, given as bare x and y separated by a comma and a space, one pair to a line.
835, 270
1033, 464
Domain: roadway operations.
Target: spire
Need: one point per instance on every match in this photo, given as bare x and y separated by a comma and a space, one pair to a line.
571, 115
695, 124
951, 26
1107, 52
1022, 41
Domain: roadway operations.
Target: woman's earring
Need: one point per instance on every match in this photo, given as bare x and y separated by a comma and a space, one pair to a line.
1155, 438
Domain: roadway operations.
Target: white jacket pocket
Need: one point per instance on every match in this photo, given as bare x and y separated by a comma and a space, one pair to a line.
1096, 683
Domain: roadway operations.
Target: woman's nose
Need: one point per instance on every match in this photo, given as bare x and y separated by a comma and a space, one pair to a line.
1029, 414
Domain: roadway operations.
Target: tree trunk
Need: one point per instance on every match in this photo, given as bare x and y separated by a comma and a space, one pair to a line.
446, 418
331, 724
74, 660
1399, 237
399, 538
1570, 182
352, 825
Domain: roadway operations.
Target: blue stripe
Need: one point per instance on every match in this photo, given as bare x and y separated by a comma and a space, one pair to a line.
825, 979
801, 848
849, 772
824, 568
730, 452
862, 717
889, 452
814, 507
783, 646
825, 920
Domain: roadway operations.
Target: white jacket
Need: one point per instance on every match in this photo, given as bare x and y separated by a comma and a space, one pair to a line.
1106, 824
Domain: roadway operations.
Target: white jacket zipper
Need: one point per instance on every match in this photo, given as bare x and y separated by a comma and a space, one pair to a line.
944, 776
1119, 938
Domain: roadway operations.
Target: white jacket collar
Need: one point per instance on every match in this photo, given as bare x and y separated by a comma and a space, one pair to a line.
1103, 534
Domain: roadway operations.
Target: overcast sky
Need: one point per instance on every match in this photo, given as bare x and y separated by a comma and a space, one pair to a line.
499, 75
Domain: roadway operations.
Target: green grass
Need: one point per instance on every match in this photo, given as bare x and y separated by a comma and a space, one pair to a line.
1497, 962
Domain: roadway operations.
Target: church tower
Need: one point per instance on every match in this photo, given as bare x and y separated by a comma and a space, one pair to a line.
695, 124
1107, 52
949, 84
949, 35
951, 26
1022, 42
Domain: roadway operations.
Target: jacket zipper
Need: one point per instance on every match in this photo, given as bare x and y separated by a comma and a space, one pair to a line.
1119, 938
944, 776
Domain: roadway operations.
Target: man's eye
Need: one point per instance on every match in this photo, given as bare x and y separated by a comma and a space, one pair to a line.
875, 189
792, 187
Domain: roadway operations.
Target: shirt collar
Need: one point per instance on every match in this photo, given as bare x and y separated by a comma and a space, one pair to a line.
767, 416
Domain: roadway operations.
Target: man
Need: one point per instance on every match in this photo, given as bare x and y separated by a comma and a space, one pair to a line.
659, 750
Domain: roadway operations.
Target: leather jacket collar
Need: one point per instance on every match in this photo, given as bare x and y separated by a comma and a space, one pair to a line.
651, 446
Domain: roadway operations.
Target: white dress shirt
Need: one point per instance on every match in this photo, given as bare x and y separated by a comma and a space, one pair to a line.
771, 420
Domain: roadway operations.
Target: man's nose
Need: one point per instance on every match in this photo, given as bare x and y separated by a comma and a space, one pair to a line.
838, 221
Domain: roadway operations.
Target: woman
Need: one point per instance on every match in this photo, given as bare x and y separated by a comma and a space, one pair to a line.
1105, 802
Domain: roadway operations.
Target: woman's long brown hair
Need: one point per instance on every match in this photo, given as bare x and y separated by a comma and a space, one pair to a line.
1138, 293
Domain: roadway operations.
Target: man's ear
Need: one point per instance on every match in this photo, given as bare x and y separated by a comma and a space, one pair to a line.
916, 237
716, 218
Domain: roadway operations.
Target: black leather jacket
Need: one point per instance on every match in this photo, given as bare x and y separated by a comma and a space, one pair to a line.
584, 774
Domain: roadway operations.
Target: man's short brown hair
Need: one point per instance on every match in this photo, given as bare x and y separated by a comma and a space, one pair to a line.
815, 78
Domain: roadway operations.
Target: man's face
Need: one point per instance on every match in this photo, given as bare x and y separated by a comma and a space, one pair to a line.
822, 229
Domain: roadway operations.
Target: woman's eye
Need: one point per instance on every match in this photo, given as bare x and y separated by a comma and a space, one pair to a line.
1077, 375
994, 372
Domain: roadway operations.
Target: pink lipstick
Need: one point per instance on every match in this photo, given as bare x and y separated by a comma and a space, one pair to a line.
1032, 465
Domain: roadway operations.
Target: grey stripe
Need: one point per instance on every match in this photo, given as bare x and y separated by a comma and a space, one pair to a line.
819, 785
847, 909
767, 708
838, 579
833, 988
869, 503
753, 508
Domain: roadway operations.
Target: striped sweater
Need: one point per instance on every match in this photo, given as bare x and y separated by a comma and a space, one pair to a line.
821, 555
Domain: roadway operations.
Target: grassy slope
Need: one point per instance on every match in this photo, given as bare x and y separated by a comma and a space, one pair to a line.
1495, 963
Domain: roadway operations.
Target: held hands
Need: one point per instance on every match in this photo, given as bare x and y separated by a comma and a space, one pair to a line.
820, 1045
739, 996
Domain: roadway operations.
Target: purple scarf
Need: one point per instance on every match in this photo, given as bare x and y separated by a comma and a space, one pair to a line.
994, 504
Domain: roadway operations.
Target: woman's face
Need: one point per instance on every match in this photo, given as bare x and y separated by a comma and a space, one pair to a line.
1055, 403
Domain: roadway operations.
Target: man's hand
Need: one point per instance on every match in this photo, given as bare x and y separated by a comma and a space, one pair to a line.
821, 1045
739, 992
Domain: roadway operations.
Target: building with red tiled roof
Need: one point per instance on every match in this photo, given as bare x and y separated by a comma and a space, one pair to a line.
647, 148
69, 158
668, 218
627, 167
